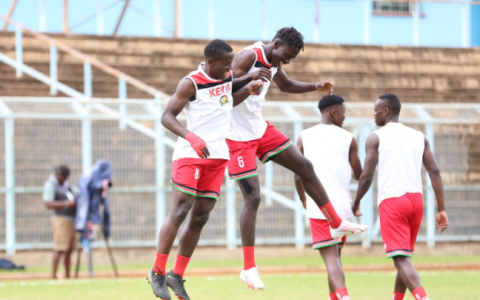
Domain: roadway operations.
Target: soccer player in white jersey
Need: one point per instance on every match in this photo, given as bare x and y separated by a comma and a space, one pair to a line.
398, 152
333, 152
251, 136
199, 159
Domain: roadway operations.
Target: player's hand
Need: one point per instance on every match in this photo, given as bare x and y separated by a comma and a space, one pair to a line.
198, 145
325, 86
441, 221
262, 74
255, 88
355, 208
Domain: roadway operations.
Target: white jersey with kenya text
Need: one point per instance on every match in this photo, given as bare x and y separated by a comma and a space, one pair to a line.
207, 115
328, 148
400, 159
246, 122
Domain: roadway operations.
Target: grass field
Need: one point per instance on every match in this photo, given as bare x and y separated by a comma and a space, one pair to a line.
362, 286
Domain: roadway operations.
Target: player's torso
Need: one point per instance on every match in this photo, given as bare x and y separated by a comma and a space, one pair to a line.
208, 115
400, 159
328, 148
246, 121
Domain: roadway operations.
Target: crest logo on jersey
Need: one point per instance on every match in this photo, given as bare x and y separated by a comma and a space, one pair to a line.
223, 100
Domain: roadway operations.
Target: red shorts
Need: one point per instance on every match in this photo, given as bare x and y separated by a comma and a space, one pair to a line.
199, 177
321, 236
400, 220
242, 163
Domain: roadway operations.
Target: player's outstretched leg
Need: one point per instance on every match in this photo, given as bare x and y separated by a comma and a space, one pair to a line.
250, 188
293, 160
200, 213
400, 288
181, 205
410, 277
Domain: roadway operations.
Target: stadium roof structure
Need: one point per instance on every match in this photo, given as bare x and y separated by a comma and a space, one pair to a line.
147, 109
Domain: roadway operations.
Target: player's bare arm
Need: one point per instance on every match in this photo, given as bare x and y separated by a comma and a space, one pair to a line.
433, 171
298, 182
366, 178
254, 88
288, 85
185, 92
240, 66
355, 160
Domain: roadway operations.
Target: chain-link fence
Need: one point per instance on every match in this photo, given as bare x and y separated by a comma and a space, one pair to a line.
40, 133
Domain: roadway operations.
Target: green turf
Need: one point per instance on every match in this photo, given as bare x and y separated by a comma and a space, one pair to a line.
362, 286
310, 261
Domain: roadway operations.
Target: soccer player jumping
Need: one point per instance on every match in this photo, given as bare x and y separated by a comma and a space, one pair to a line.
399, 151
333, 152
251, 136
199, 159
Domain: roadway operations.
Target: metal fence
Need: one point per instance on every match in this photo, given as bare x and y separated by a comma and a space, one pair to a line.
42, 132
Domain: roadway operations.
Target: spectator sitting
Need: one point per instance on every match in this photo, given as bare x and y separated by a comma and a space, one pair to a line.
58, 197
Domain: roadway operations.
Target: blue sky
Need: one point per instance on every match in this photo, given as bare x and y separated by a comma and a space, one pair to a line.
341, 21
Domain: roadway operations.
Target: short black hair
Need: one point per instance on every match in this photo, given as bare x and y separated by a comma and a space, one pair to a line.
329, 100
62, 170
291, 37
216, 47
392, 102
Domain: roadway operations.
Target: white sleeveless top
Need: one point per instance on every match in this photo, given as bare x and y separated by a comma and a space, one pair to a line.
246, 122
400, 159
207, 115
328, 148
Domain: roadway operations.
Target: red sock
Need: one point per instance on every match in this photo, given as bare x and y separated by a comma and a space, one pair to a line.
398, 296
160, 263
333, 296
419, 294
331, 215
248, 257
180, 265
342, 293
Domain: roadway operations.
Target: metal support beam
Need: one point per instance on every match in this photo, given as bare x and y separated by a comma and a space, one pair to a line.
9, 186
10, 14
157, 19
211, 19
231, 215
87, 79
42, 18
53, 69
121, 17
122, 95
19, 51
416, 15
366, 206
466, 24
65, 16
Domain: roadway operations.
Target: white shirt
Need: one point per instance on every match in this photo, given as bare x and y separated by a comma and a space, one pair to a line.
207, 115
246, 122
400, 159
328, 148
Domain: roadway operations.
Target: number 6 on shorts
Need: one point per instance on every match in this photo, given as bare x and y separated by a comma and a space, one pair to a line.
240, 162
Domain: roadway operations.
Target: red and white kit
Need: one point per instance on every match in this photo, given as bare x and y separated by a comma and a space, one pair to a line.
328, 148
208, 118
400, 159
249, 134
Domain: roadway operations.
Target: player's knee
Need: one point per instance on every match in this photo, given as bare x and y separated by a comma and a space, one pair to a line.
200, 220
253, 201
306, 169
180, 214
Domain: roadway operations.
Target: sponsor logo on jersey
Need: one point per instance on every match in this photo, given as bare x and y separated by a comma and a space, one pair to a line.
223, 100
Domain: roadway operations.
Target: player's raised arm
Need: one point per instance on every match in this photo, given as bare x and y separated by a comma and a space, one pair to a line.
431, 166
241, 65
366, 178
288, 85
254, 88
185, 92
355, 160
298, 182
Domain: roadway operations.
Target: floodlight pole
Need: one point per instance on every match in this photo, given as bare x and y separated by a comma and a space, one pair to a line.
65, 16
10, 13
177, 32
121, 17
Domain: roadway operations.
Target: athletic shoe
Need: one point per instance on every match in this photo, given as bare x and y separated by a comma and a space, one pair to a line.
159, 287
251, 278
348, 228
176, 283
